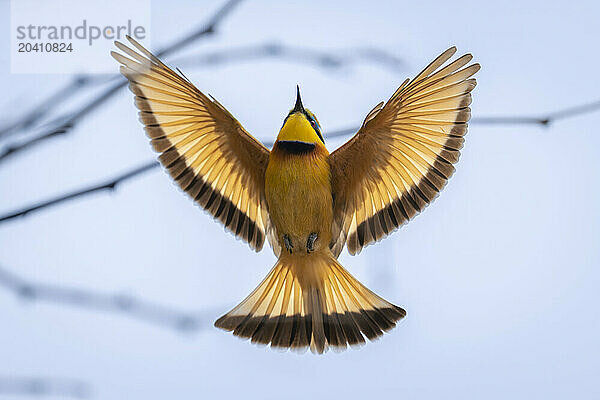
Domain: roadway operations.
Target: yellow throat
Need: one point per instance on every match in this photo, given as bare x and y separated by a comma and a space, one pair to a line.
301, 125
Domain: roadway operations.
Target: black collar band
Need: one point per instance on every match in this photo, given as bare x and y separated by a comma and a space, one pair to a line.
296, 146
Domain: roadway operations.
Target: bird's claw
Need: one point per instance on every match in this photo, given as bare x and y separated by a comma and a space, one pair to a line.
310, 243
288, 243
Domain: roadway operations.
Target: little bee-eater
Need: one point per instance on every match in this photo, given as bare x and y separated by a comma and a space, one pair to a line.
307, 202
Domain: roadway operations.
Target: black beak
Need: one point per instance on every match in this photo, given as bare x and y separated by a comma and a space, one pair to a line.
298, 107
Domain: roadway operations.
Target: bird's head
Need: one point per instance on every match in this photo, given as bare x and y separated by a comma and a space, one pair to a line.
300, 125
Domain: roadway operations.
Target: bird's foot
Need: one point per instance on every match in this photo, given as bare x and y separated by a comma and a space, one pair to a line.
288, 243
310, 243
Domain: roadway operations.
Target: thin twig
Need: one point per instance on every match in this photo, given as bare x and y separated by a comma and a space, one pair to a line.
45, 106
573, 111
112, 183
544, 120
118, 303
209, 28
502, 120
73, 119
15, 148
66, 124
280, 51
108, 185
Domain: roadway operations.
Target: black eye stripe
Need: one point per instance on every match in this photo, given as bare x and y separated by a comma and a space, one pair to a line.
313, 123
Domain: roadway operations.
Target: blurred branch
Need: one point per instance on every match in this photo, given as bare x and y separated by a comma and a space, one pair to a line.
11, 149
381, 57
43, 108
43, 387
543, 120
320, 58
112, 183
73, 119
66, 124
209, 28
117, 303
108, 185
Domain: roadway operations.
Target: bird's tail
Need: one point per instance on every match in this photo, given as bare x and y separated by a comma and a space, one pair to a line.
311, 300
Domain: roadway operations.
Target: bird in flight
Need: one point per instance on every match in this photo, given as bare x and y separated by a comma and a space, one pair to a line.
308, 203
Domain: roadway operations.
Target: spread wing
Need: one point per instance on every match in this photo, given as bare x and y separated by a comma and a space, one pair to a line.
403, 154
205, 150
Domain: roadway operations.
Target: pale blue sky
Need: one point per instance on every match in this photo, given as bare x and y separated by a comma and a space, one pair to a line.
499, 276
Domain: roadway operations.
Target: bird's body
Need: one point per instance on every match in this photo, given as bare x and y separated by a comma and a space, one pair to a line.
307, 202
298, 192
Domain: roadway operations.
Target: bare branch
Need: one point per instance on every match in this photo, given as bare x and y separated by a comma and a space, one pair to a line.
44, 387
209, 28
73, 119
543, 120
378, 56
117, 303
15, 148
574, 111
505, 120
66, 124
274, 50
108, 185
112, 183
44, 107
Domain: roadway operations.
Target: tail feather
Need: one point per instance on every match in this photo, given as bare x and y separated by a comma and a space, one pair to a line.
311, 301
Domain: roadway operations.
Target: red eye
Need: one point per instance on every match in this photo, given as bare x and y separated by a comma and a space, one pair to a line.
313, 123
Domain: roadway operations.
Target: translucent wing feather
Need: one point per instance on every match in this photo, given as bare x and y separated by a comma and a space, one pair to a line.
205, 150
403, 154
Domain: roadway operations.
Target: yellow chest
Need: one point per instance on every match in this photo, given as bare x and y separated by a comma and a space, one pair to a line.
298, 192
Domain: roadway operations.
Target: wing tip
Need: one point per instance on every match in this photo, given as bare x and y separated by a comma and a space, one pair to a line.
115, 56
